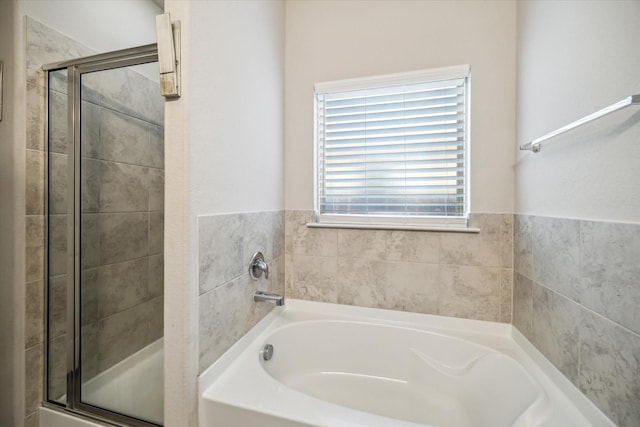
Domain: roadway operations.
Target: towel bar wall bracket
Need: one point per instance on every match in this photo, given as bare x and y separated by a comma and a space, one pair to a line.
535, 145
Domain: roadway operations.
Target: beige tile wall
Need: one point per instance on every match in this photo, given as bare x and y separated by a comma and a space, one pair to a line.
452, 274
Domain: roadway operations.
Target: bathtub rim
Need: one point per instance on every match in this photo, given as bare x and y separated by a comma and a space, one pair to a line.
531, 358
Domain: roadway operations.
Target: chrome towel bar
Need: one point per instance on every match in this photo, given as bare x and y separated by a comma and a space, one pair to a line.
535, 144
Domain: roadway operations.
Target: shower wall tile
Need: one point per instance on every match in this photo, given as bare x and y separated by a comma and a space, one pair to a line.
123, 236
58, 132
366, 282
34, 191
34, 326
556, 254
57, 386
582, 311
123, 188
90, 240
369, 244
156, 233
610, 368
360, 281
412, 246
123, 138
311, 277
610, 271
57, 306
116, 89
455, 274
89, 301
34, 248
121, 335
470, 292
156, 319
479, 249
34, 374
57, 244
523, 245
58, 183
58, 80
227, 242
220, 250
92, 87
506, 240
89, 351
156, 275
91, 183
522, 303
35, 117
156, 147
416, 287
226, 307
555, 322
122, 285
32, 420
302, 240
223, 311
506, 295
228, 312
263, 230
46, 46
156, 189
90, 129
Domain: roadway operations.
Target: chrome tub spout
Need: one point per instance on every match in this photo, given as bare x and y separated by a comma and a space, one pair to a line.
259, 296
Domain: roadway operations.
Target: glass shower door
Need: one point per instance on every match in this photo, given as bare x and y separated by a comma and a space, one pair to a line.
105, 237
121, 241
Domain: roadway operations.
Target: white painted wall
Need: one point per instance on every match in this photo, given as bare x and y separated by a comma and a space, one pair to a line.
224, 153
236, 106
332, 40
575, 57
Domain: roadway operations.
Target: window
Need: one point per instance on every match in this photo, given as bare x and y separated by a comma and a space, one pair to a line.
393, 149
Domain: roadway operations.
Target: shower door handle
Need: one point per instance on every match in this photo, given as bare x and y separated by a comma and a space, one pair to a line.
168, 55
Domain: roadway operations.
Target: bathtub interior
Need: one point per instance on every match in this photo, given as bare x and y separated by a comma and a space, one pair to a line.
336, 365
405, 374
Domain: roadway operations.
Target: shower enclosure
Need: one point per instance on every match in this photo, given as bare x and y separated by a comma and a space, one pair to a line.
105, 215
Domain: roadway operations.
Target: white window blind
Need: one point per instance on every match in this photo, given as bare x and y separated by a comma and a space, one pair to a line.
392, 150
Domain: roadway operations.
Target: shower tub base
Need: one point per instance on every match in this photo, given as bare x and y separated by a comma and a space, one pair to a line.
335, 365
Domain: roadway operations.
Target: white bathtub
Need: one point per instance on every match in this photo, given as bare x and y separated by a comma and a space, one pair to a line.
344, 366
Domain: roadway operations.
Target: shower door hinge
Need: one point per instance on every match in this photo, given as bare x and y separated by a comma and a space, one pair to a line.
168, 55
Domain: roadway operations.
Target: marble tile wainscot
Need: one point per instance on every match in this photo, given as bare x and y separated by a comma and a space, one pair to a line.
577, 299
453, 274
226, 244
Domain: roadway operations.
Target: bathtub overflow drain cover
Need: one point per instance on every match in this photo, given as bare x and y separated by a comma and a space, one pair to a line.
267, 352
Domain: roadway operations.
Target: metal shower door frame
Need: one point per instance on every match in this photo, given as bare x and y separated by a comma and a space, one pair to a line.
75, 69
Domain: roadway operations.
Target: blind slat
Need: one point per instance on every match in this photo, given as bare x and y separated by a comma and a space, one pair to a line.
397, 150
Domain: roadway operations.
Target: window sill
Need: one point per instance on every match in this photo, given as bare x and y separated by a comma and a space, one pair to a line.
393, 227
